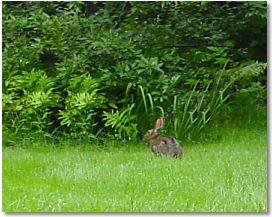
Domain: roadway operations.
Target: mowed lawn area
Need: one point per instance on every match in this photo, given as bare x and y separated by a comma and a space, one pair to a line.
226, 175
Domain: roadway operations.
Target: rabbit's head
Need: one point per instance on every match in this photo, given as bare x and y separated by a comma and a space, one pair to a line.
155, 132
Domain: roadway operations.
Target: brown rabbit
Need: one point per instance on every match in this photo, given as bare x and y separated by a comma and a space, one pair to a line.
162, 145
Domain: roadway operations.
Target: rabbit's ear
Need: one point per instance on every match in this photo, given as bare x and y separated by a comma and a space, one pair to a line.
159, 124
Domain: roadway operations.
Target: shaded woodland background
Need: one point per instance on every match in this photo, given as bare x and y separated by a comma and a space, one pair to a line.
109, 69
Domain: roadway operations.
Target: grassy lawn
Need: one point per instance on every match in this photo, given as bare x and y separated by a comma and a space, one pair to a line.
229, 175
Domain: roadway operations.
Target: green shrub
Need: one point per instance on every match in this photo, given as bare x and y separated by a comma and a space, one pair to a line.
81, 105
86, 68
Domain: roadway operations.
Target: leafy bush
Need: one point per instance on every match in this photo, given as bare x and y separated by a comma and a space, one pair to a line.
122, 123
91, 68
28, 101
81, 105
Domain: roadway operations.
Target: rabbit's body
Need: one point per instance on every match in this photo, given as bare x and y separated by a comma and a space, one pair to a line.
162, 145
166, 146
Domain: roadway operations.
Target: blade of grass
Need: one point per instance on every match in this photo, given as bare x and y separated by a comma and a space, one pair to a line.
161, 110
143, 96
187, 103
151, 101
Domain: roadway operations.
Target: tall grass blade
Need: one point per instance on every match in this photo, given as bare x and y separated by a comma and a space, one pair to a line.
151, 101
161, 110
175, 103
187, 104
176, 127
143, 96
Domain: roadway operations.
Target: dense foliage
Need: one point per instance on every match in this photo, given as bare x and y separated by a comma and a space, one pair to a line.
110, 68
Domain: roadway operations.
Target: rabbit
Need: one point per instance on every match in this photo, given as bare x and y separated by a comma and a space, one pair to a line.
162, 145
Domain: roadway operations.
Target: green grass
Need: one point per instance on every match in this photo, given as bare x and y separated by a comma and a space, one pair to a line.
226, 175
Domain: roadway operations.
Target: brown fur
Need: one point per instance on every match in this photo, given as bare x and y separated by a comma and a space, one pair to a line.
162, 145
